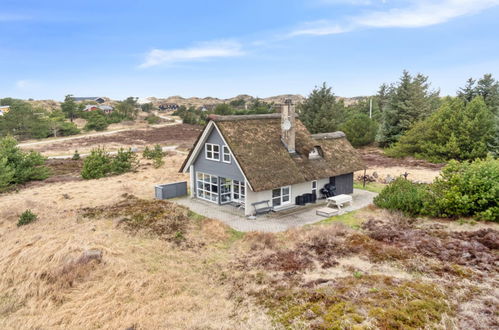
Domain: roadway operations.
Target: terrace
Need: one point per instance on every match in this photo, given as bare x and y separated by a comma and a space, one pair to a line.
272, 222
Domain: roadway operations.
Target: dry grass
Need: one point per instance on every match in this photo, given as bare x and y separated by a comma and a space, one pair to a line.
142, 281
318, 276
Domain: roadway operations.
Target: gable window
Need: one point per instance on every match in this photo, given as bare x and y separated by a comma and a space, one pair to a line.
281, 196
212, 151
314, 187
225, 154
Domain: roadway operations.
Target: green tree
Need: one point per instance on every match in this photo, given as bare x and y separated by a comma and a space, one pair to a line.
455, 131
408, 102
147, 107
23, 121
321, 112
223, 109
26, 166
96, 120
70, 107
6, 173
360, 130
128, 108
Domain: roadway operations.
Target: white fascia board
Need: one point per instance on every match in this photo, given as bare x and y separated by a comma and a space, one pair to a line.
198, 146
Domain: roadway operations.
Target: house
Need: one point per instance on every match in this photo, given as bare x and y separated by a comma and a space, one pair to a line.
89, 98
4, 109
90, 107
168, 106
269, 157
105, 108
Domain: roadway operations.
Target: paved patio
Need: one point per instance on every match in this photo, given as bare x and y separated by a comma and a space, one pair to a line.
272, 222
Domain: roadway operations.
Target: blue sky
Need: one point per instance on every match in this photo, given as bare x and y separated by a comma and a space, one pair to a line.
224, 48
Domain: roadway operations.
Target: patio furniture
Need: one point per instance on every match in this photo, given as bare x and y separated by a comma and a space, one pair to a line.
339, 201
238, 204
262, 207
327, 212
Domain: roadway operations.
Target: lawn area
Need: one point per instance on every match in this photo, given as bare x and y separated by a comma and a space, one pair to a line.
352, 219
370, 186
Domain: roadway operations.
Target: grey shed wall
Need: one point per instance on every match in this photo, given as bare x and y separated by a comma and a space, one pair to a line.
344, 184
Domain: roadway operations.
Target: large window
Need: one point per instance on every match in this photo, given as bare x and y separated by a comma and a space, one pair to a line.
207, 187
239, 191
225, 190
212, 151
225, 154
281, 196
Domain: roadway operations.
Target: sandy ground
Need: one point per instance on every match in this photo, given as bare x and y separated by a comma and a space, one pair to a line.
419, 174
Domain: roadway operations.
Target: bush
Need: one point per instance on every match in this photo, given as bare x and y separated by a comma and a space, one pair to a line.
76, 156
466, 189
26, 218
97, 121
100, 164
17, 166
96, 165
67, 129
402, 195
155, 154
463, 189
153, 119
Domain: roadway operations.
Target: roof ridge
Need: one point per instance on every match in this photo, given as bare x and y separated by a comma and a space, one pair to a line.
327, 136
244, 117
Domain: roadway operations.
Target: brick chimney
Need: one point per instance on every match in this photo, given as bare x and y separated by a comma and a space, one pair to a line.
288, 127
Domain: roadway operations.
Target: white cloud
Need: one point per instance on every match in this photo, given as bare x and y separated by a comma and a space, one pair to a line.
319, 28
416, 14
23, 84
424, 13
12, 17
202, 51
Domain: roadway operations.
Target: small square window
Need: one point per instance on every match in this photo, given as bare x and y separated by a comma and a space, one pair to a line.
225, 154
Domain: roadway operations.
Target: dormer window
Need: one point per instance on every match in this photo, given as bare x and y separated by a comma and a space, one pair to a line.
316, 153
212, 151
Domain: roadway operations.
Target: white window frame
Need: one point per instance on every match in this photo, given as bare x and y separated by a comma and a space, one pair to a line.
314, 186
202, 181
212, 146
226, 152
281, 195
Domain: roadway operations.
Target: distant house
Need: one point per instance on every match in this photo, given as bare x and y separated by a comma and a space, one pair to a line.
89, 98
270, 158
168, 106
4, 109
105, 108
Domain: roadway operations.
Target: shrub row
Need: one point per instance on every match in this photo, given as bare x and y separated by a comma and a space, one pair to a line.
463, 189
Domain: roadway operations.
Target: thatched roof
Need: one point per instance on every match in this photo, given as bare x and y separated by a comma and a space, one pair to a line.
256, 143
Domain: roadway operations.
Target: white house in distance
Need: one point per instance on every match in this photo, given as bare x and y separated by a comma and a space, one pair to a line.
4, 109
268, 158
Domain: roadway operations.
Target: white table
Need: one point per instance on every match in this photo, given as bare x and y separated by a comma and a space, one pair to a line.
339, 201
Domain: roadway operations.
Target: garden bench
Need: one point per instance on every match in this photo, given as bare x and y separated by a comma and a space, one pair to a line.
262, 207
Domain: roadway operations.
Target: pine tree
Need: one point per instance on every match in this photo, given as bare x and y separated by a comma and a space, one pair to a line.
321, 112
455, 131
409, 101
